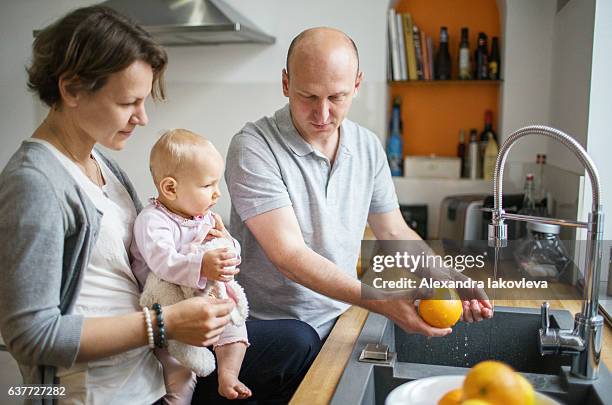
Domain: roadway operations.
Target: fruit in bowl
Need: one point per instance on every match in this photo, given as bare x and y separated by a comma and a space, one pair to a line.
494, 383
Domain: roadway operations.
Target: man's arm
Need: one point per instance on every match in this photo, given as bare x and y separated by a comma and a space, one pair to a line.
391, 226
279, 235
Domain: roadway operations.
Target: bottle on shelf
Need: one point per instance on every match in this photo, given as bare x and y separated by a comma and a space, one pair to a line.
542, 196
461, 151
488, 126
465, 70
443, 60
484, 135
394, 141
473, 160
494, 63
539, 181
481, 58
529, 204
490, 158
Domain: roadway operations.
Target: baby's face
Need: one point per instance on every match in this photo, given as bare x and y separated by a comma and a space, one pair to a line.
198, 185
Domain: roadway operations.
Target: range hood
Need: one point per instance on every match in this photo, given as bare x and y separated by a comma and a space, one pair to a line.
191, 22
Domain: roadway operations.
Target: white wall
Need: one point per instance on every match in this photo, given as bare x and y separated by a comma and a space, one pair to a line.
526, 66
571, 78
598, 142
213, 90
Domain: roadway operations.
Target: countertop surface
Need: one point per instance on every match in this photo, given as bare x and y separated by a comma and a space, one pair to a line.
320, 382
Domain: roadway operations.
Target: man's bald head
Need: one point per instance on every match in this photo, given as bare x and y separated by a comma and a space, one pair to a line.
314, 39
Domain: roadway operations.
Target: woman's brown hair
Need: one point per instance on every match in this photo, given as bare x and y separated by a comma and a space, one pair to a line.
90, 44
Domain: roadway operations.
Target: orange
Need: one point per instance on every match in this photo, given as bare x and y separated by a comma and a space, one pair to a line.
494, 382
443, 310
527, 388
475, 402
452, 397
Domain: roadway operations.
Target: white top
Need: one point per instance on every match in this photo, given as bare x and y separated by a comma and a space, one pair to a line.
109, 288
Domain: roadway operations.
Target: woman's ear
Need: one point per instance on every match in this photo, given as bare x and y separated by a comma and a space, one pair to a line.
167, 188
68, 85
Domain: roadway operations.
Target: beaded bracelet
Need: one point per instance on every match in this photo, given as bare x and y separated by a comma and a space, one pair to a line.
161, 341
147, 315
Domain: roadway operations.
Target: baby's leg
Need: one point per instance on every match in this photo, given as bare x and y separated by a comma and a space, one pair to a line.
229, 360
180, 381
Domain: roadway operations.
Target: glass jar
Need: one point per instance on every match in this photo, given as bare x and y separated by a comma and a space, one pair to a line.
542, 255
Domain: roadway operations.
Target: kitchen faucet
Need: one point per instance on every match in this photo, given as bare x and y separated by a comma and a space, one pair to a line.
584, 341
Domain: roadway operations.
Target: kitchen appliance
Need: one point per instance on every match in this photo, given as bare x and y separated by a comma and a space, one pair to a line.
416, 218
461, 217
191, 22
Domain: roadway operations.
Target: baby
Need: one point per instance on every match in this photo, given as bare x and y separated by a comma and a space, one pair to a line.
182, 242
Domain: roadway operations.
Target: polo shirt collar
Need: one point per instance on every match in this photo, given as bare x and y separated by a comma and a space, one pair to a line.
292, 137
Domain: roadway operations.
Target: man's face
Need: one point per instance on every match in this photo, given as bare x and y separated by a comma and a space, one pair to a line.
320, 92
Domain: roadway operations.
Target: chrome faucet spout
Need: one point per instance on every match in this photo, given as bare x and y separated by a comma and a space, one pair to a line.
584, 341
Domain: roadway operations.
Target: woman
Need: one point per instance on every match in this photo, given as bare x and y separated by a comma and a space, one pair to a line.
69, 310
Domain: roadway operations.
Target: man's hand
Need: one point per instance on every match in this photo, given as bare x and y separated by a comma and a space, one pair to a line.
404, 314
476, 310
476, 305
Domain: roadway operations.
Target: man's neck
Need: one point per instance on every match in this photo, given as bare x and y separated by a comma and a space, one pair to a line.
327, 145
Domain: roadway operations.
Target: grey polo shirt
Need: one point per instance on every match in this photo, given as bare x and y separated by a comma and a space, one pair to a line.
269, 166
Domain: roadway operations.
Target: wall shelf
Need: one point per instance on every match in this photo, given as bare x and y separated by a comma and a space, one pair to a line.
433, 111
446, 82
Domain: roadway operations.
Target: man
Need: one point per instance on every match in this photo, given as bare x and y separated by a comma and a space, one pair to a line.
303, 185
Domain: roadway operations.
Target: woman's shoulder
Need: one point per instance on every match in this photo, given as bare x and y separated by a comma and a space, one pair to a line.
33, 165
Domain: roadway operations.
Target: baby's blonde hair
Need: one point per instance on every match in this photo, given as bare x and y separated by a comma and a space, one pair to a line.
174, 152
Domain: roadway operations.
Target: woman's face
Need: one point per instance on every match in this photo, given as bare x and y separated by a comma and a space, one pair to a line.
110, 115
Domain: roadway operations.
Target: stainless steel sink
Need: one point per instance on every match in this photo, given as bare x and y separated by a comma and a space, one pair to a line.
511, 336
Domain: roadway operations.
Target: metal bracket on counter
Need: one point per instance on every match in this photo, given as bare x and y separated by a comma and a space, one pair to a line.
377, 353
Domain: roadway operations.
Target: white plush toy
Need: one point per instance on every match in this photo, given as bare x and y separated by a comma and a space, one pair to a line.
198, 359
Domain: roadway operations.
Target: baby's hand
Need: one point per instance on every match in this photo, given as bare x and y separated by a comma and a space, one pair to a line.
219, 231
215, 263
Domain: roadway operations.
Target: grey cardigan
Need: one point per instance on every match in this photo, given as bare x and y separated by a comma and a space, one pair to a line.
48, 227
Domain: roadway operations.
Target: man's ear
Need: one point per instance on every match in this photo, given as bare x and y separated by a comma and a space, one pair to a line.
167, 188
285, 81
358, 81
68, 86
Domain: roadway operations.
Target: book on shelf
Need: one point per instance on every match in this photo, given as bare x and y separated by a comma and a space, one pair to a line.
393, 45
409, 42
431, 57
389, 64
401, 47
417, 50
426, 56
410, 49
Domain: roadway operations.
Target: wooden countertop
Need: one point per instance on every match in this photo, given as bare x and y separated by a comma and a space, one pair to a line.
320, 382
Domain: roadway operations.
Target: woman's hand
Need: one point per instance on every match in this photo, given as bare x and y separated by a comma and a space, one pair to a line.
197, 321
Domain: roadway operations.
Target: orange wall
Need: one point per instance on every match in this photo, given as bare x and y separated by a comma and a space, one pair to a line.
434, 112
